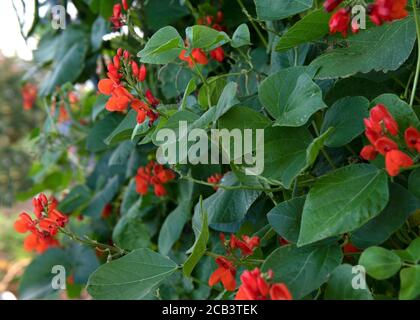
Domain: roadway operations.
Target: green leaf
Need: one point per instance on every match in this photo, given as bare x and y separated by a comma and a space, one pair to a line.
130, 232
199, 247
346, 118
310, 28
162, 13
285, 218
380, 263
303, 269
78, 196
316, 146
285, 154
414, 182
124, 129
209, 95
131, 277
241, 36
228, 206
412, 253
103, 197
342, 201
67, 69
400, 110
278, 94
37, 279
401, 205
163, 47
99, 29
174, 223
101, 130
277, 10
339, 287
410, 283
192, 85
383, 48
206, 38
226, 101
130, 198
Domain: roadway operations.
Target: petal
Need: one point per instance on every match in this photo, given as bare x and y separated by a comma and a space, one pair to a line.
279, 291
106, 86
228, 280
216, 276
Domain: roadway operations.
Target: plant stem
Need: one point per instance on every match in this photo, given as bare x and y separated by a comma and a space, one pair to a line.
416, 77
323, 151
221, 186
260, 35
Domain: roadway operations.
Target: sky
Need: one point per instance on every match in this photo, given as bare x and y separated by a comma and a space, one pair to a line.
11, 41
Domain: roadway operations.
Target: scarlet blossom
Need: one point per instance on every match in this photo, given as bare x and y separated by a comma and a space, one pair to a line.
256, 286
218, 54
412, 138
125, 5
387, 10
379, 115
135, 68
330, 5
225, 274
29, 93
151, 98
395, 160
340, 21
107, 211
197, 56
283, 241
44, 227
155, 175
247, 245
369, 153
142, 73
350, 248
384, 145
143, 110
120, 97
116, 18
215, 179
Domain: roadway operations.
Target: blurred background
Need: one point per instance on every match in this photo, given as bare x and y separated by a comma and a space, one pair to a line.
16, 125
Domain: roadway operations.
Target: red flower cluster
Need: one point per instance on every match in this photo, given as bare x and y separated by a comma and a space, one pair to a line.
44, 227
198, 55
153, 174
120, 96
29, 92
381, 11
215, 179
387, 10
226, 271
117, 18
378, 125
256, 286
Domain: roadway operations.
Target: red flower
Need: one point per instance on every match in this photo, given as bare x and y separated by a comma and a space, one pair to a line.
215, 179
247, 245
25, 223
350, 248
395, 160
197, 55
116, 18
120, 97
135, 69
384, 145
107, 211
48, 219
29, 93
125, 5
340, 21
153, 174
387, 10
142, 73
151, 98
218, 54
225, 273
279, 291
256, 286
330, 5
369, 152
412, 138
